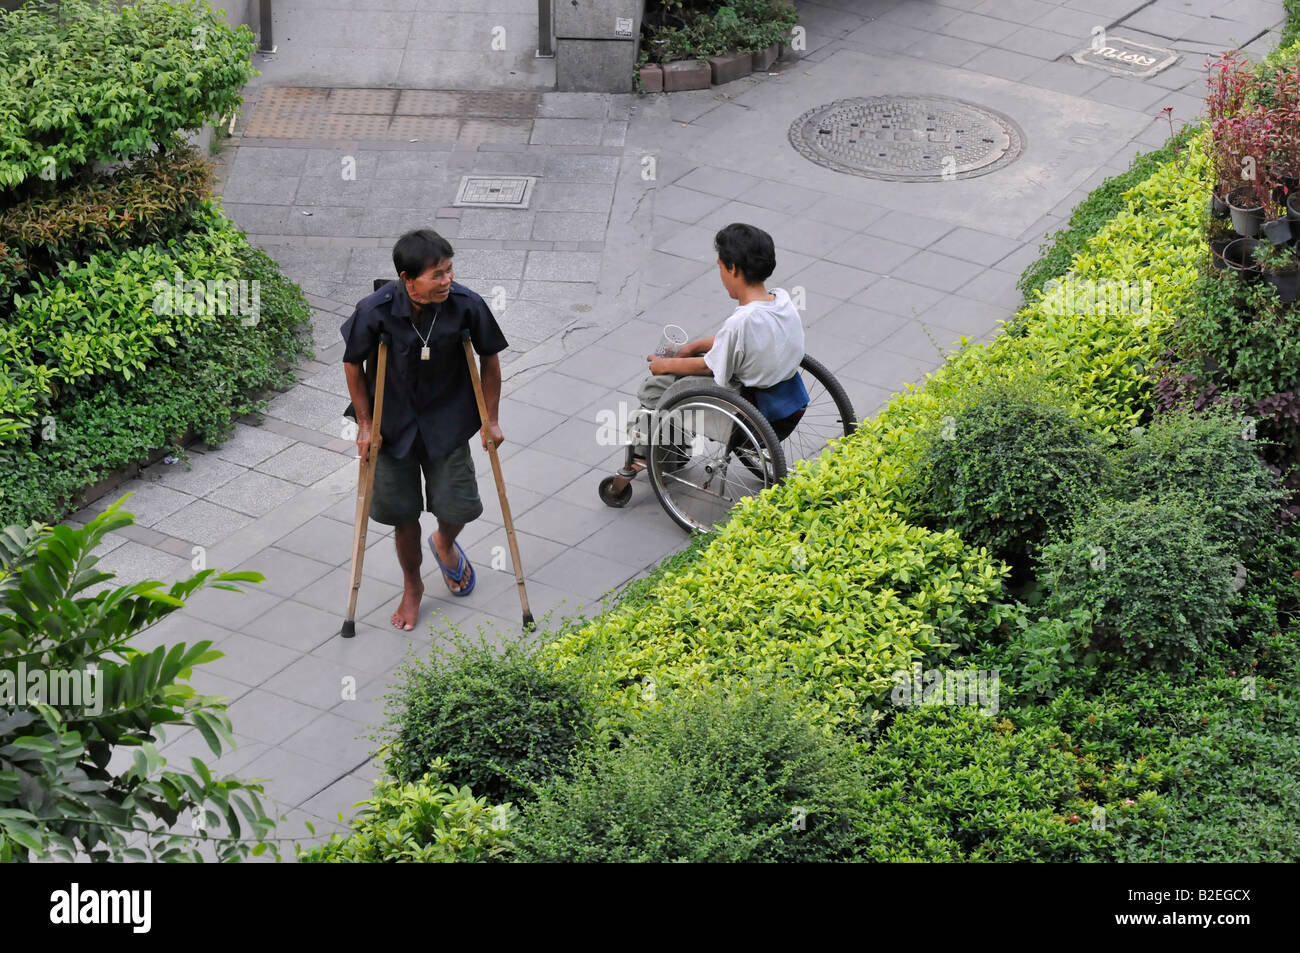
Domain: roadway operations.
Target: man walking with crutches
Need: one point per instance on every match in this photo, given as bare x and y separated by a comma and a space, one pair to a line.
430, 410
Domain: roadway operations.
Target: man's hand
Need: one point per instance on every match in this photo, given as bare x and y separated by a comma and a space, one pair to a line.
658, 365
363, 440
493, 430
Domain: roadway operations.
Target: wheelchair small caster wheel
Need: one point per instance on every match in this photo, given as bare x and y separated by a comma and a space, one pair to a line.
609, 497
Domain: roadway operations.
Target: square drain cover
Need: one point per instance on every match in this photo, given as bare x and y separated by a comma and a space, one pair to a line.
495, 191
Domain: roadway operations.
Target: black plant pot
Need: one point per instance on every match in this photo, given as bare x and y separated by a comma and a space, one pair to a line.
1277, 231
1293, 211
1287, 284
1239, 256
1217, 246
1218, 207
1246, 219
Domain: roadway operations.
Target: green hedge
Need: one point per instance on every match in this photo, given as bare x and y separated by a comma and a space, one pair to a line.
720, 777
1095, 212
208, 382
83, 82
110, 316
153, 200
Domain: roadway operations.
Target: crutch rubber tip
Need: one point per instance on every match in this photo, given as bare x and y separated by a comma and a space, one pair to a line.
349, 629
528, 621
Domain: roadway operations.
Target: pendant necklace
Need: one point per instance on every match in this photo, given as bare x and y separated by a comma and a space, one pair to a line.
424, 350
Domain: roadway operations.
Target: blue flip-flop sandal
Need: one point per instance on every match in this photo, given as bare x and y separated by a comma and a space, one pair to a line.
462, 567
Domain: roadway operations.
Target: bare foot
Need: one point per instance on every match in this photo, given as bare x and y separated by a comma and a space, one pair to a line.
408, 611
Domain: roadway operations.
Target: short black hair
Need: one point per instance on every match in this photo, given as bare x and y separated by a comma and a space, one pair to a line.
418, 251
748, 248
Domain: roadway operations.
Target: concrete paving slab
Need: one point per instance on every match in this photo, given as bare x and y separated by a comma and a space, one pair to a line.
842, 282
203, 522
303, 464
340, 799
205, 473
949, 50
132, 562
148, 502
293, 778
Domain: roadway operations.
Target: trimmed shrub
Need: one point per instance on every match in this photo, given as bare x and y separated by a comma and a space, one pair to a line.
1093, 214
498, 719
1210, 456
952, 784
420, 822
1008, 464
1158, 586
1218, 741
84, 82
153, 200
829, 596
210, 381
112, 315
1242, 337
708, 778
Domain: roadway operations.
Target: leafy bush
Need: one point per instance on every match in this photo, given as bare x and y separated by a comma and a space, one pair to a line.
211, 380
1291, 30
58, 793
1218, 742
498, 719
838, 594
420, 822
1157, 583
1211, 456
84, 82
1242, 338
1039, 653
712, 777
681, 29
1008, 464
153, 200
951, 784
1094, 213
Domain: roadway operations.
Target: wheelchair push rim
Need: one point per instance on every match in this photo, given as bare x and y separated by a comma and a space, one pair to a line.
709, 450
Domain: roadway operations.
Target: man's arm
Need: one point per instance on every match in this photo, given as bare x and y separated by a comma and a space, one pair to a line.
695, 348
684, 366
490, 374
356, 377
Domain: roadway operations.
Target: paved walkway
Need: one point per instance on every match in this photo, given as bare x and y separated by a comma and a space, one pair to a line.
616, 243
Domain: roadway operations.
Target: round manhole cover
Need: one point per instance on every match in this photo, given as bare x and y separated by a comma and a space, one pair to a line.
907, 138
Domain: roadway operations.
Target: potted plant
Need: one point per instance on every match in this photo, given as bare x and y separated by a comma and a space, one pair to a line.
1231, 83
1218, 232
1239, 256
1280, 268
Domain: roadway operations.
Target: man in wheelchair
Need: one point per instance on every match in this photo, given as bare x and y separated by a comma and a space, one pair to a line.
756, 351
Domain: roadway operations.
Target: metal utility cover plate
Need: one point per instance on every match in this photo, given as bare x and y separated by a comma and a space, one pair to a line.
907, 138
495, 191
1126, 57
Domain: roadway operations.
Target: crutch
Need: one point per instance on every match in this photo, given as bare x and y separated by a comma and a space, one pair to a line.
501, 483
365, 486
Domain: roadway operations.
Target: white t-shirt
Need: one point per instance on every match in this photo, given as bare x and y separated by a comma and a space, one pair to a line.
760, 345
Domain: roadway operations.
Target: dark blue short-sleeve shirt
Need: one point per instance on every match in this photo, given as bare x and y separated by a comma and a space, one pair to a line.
434, 398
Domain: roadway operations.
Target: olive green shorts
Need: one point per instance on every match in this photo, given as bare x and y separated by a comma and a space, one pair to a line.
450, 488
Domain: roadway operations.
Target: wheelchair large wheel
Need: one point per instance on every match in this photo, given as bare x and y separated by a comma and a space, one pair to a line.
829, 415
709, 448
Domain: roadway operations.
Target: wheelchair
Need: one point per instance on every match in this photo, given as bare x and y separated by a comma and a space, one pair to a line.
709, 446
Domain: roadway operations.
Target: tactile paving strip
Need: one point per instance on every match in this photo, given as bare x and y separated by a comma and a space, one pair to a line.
292, 112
